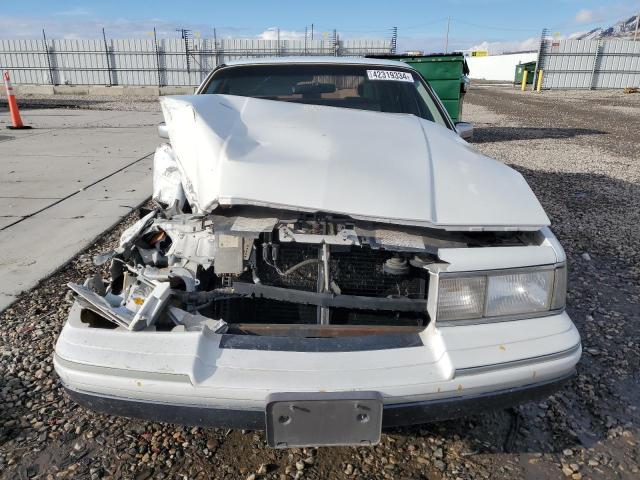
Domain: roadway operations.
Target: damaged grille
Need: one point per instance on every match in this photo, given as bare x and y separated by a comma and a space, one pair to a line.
260, 310
359, 272
291, 254
355, 270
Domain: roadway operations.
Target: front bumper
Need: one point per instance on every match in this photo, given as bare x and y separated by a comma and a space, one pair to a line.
200, 378
393, 415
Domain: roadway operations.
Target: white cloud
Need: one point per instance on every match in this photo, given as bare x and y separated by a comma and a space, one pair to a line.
585, 16
272, 34
435, 44
496, 48
69, 27
74, 24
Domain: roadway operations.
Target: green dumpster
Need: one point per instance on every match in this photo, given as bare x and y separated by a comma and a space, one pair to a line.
445, 72
530, 67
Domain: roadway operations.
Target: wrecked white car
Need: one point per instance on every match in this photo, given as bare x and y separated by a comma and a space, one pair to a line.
328, 257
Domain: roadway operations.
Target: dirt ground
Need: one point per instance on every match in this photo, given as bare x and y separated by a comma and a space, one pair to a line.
580, 152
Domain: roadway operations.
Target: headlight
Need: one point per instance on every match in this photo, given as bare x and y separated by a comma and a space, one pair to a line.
506, 293
460, 298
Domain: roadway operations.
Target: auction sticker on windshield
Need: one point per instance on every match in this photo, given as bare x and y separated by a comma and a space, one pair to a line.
389, 75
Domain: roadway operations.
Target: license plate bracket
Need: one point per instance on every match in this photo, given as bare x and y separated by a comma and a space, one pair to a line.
305, 419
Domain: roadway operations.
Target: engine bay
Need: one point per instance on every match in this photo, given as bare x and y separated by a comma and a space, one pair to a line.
259, 271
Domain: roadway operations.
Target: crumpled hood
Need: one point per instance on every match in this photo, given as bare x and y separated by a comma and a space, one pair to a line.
375, 166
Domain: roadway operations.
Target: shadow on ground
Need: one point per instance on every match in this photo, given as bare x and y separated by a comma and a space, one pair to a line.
75, 103
505, 134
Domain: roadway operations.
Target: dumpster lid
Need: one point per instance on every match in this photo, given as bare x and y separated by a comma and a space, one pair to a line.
401, 57
392, 56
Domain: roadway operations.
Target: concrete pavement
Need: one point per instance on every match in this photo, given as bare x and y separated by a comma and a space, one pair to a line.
63, 183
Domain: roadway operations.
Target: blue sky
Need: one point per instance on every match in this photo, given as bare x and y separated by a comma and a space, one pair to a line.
498, 24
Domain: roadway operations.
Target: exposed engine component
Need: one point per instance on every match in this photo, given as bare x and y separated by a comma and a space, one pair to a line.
396, 265
229, 254
191, 271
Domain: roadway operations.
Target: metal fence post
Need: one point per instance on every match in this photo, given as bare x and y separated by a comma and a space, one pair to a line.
541, 52
278, 50
155, 42
46, 52
106, 53
394, 40
596, 58
185, 36
215, 47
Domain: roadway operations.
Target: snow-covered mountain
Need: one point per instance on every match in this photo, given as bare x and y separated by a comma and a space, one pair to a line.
623, 30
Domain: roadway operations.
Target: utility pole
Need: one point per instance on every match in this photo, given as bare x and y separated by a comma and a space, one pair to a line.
446, 38
312, 32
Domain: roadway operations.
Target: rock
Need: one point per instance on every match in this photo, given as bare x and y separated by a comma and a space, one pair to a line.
567, 452
567, 471
299, 466
144, 474
251, 476
212, 444
348, 469
586, 256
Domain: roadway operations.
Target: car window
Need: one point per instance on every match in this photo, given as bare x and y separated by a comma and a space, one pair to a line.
346, 86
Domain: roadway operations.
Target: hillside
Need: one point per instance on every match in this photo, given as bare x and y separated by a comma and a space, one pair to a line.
623, 29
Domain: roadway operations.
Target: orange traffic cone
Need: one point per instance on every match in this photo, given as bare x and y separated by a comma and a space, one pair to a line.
13, 106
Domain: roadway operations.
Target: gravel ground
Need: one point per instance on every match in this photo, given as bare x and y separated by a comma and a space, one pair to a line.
579, 151
87, 102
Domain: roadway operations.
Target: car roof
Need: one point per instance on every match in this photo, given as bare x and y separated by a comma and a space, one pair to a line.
319, 59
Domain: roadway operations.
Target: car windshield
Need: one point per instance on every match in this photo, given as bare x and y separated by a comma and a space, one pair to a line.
364, 87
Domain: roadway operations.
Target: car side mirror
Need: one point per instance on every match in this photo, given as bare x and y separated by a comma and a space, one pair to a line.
465, 130
163, 131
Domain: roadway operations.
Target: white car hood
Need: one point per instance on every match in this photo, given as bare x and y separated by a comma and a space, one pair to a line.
385, 167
